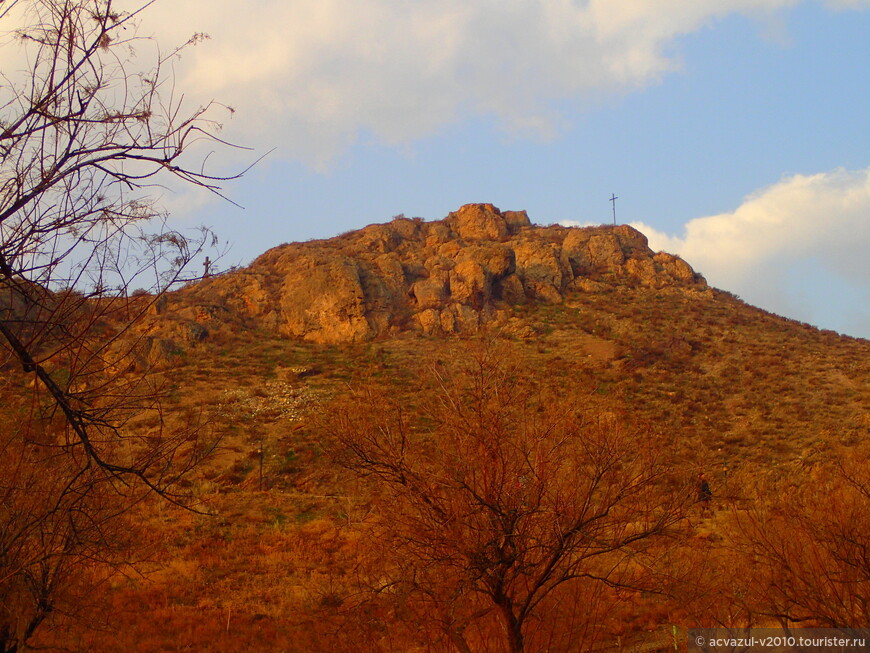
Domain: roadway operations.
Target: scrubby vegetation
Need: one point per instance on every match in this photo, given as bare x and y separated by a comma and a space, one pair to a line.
317, 534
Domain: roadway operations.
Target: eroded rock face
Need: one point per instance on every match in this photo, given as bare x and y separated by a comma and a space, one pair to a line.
323, 300
442, 277
542, 274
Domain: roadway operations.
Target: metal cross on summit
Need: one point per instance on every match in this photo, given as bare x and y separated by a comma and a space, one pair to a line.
613, 199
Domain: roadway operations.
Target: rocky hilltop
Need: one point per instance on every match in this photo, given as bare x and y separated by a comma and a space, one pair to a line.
441, 277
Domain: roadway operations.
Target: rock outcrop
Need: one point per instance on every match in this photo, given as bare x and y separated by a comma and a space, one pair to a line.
447, 276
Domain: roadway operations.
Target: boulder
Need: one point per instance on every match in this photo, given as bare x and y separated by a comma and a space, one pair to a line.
430, 321
436, 233
392, 271
575, 251
510, 290
675, 267
516, 220
433, 291
632, 242
377, 238
478, 222
496, 259
459, 318
642, 269
407, 228
470, 284
583, 284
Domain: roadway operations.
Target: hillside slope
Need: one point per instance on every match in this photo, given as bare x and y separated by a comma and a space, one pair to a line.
740, 393
641, 328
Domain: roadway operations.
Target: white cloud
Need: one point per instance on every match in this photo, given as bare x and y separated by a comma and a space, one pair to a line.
805, 226
310, 75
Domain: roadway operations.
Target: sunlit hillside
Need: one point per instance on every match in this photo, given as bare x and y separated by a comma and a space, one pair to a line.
363, 487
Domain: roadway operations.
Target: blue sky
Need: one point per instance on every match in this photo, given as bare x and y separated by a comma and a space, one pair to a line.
736, 133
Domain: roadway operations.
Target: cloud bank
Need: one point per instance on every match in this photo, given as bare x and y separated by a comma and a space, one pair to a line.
315, 74
814, 228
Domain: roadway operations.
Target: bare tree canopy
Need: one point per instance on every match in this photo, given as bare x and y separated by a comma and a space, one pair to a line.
503, 496
88, 133
91, 131
82, 131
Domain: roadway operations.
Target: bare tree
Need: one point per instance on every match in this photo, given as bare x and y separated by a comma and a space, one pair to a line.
85, 134
63, 530
503, 498
806, 543
89, 133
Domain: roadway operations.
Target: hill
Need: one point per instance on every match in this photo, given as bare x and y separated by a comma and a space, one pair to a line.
641, 327
591, 315
450, 276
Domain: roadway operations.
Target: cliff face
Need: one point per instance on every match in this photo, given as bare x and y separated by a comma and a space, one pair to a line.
442, 277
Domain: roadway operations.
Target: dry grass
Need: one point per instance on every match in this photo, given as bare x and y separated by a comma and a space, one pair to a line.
275, 569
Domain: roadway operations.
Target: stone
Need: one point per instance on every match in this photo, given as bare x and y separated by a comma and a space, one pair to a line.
437, 232
430, 321
632, 241
582, 284
497, 260
156, 353
675, 267
407, 228
377, 238
516, 220
459, 318
478, 222
605, 251
510, 290
323, 301
432, 292
575, 251
540, 270
469, 284
391, 269
642, 269
448, 276
516, 328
